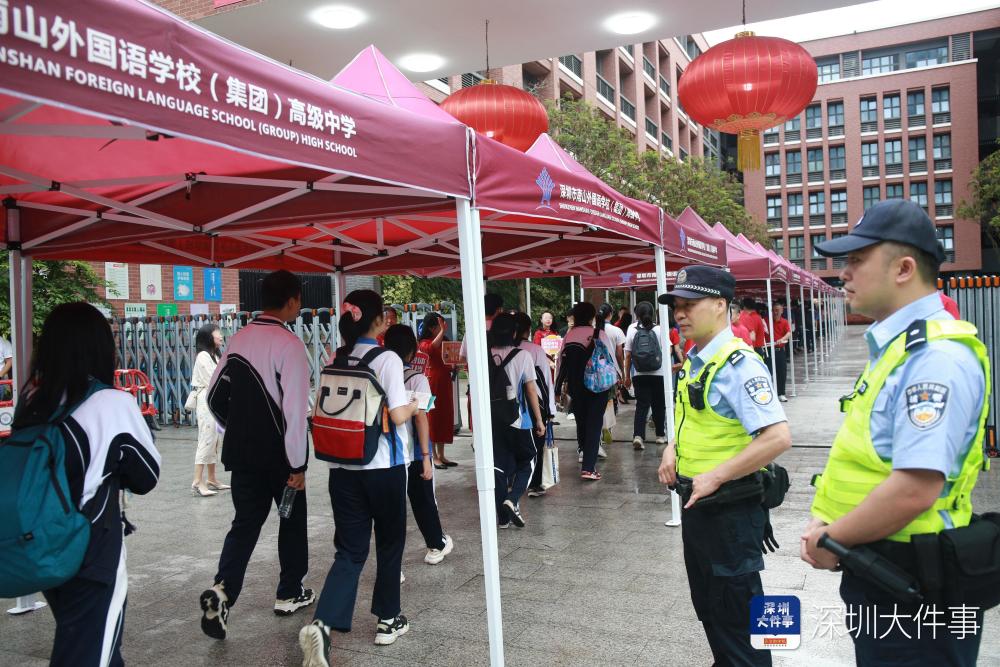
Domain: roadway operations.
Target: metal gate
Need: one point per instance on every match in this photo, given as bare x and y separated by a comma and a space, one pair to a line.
978, 299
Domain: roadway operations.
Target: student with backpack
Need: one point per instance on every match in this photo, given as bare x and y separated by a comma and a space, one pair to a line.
364, 386
586, 371
544, 384
644, 368
515, 413
420, 473
83, 442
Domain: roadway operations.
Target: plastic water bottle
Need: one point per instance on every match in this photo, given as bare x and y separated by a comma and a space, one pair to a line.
287, 502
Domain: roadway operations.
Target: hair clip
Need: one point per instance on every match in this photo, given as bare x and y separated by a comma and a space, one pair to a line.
352, 309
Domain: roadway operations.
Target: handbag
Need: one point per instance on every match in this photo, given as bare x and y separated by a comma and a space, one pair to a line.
550, 460
191, 404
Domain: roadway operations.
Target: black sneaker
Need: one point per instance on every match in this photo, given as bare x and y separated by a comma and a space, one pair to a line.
214, 612
314, 639
386, 633
291, 605
513, 513
535, 493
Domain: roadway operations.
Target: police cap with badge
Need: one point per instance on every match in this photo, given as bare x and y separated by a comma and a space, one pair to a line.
701, 282
898, 220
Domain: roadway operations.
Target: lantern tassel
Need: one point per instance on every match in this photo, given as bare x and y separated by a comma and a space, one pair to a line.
748, 150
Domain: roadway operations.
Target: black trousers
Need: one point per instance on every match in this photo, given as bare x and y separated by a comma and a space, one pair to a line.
361, 499
536, 476
253, 493
723, 561
649, 394
90, 621
423, 502
870, 616
588, 409
780, 367
513, 463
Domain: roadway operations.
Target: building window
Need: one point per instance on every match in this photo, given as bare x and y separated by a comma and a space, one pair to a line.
915, 104
918, 194
918, 150
793, 124
774, 210
795, 204
940, 100
814, 117
942, 146
943, 206
890, 107
817, 203
778, 244
818, 261
869, 110
894, 151
829, 70
838, 162
894, 191
869, 156
927, 57
870, 196
879, 64
815, 157
835, 118
796, 248
838, 201
946, 236
793, 162
572, 63
772, 164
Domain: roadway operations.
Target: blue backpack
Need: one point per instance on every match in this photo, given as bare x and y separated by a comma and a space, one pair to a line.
43, 536
599, 374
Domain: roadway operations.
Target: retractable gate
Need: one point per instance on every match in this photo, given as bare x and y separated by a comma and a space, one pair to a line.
978, 299
413, 316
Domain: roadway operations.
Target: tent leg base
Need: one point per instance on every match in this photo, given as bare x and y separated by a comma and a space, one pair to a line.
25, 605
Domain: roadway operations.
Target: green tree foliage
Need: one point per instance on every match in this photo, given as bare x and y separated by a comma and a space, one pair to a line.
54, 282
984, 204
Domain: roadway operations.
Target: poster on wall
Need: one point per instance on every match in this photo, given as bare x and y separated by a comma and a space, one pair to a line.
199, 309
116, 275
150, 282
184, 283
212, 280
135, 310
166, 309
227, 308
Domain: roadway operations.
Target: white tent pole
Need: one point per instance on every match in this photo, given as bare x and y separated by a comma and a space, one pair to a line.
471, 257
770, 323
805, 332
20, 329
668, 378
572, 291
790, 345
581, 289
815, 323
631, 300
527, 296
607, 296
339, 292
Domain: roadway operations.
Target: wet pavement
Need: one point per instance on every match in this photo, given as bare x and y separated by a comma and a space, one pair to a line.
595, 578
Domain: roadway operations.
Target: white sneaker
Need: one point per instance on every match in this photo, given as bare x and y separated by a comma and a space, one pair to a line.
387, 631
402, 577
579, 459
570, 417
314, 639
435, 556
661, 440
601, 454
783, 398
637, 444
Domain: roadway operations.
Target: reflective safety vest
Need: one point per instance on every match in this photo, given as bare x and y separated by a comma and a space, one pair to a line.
704, 437
854, 468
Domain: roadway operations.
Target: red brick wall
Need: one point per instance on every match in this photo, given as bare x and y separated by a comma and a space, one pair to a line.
230, 289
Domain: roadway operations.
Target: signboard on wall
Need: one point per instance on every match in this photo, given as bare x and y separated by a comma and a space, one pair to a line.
116, 276
135, 310
150, 282
166, 309
212, 281
183, 283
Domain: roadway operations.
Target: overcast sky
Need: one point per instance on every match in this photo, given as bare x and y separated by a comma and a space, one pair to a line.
856, 18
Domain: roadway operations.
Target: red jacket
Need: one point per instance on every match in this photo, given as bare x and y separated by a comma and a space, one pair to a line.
755, 325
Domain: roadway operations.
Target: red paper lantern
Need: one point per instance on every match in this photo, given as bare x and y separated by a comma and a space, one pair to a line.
504, 113
746, 85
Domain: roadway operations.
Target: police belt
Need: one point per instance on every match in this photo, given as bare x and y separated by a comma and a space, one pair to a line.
956, 566
734, 491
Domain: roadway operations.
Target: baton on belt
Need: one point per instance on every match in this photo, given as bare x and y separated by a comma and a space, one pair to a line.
866, 564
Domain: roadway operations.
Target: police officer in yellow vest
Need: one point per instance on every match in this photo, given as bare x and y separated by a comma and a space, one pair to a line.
904, 462
729, 424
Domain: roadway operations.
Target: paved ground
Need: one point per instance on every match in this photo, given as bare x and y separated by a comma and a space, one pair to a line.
594, 579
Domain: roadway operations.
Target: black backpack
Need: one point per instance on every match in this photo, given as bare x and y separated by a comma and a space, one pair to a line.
504, 407
646, 353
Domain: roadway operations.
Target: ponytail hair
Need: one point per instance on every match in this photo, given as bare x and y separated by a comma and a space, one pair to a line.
644, 314
501, 332
364, 304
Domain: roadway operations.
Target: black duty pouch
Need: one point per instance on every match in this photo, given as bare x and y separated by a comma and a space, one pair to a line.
969, 557
733, 491
776, 484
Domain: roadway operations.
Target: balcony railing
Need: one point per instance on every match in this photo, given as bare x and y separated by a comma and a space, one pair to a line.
795, 221
664, 86
839, 262
627, 107
771, 138
648, 68
793, 135
684, 155
869, 171
942, 163
838, 218
894, 169
838, 174
814, 133
817, 219
815, 176
799, 262
605, 89
573, 64
774, 224
918, 166
916, 120
869, 126
666, 141
793, 179
836, 131
893, 123
772, 180
470, 79
943, 117
817, 264
651, 128
944, 210
949, 256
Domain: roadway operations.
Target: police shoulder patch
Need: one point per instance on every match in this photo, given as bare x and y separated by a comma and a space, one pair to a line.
926, 403
759, 390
